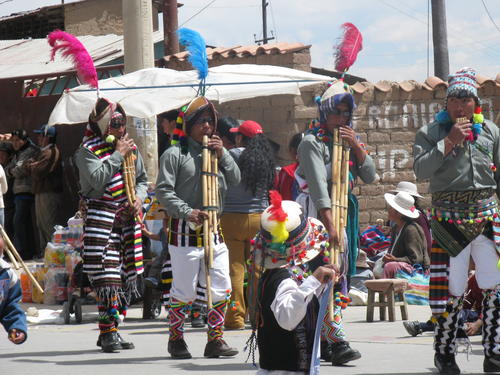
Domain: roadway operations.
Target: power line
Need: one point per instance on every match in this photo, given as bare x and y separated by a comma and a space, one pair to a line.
487, 50
201, 10
274, 23
489, 15
5, 1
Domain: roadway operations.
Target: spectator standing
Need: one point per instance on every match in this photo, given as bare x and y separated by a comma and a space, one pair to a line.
6, 152
23, 192
168, 121
285, 181
244, 204
46, 174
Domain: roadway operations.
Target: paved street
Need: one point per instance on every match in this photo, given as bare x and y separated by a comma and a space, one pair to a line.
70, 349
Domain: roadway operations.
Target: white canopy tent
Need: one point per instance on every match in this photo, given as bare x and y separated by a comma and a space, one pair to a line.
149, 92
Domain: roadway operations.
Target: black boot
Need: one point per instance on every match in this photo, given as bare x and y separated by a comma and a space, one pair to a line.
445, 363
219, 348
110, 342
413, 328
343, 353
492, 364
178, 349
197, 320
326, 351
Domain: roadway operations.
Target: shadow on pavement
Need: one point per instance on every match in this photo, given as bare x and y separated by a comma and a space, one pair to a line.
104, 361
215, 367
49, 354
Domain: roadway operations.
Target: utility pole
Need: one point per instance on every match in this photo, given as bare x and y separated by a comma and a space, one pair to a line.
440, 40
139, 54
264, 39
170, 26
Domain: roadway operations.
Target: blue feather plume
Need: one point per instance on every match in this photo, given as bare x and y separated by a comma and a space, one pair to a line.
196, 47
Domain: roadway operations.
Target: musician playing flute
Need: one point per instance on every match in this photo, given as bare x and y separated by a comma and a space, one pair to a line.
314, 176
112, 253
179, 190
459, 153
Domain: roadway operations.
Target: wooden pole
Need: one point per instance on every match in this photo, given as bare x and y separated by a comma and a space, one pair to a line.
14, 254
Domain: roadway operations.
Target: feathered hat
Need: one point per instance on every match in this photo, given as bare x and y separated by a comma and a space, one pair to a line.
188, 114
286, 236
346, 53
104, 110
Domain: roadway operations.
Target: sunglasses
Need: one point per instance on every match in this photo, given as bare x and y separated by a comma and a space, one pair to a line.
203, 120
336, 111
117, 123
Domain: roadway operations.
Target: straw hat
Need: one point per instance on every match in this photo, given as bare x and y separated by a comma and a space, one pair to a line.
407, 187
295, 239
403, 203
361, 262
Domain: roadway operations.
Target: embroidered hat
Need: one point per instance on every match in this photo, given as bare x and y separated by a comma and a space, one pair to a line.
101, 115
249, 129
338, 91
286, 236
463, 80
403, 203
407, 187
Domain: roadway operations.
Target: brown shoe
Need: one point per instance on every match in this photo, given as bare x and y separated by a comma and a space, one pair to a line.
178, 349
218, 348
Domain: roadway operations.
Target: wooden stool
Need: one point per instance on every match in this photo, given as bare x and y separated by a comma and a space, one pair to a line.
386, 289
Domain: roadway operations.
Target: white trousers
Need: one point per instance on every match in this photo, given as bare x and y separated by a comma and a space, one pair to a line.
188, 267
483, 251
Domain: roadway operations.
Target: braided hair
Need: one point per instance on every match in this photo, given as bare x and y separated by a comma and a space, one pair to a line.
257, 164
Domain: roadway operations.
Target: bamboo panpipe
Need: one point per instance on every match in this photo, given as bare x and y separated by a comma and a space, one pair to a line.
339, 198
210, 187
129, 180
16, 258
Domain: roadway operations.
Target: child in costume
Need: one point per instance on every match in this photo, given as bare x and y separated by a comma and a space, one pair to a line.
12, 316
288, 307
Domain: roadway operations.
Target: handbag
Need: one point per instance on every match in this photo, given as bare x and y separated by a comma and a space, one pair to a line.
418, 285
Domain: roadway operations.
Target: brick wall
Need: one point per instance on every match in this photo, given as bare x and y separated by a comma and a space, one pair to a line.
387, 117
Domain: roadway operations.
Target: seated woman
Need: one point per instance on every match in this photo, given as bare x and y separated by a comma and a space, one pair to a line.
408, 243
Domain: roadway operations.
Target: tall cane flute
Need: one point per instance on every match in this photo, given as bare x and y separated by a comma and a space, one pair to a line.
210, 187
129, 179
339, 198
16, 259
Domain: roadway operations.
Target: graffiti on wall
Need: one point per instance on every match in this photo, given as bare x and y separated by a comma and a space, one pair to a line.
411, 115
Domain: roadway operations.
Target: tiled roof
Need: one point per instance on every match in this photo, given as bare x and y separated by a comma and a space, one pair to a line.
244, 51
430, 84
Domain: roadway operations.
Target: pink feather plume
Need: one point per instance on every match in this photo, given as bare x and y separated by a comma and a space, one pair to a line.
72, 48
346, 52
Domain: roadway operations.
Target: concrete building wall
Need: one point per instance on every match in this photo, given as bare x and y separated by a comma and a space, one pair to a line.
97, 17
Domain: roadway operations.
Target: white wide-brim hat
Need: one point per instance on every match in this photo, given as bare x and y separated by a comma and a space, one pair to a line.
407, 187
403, 203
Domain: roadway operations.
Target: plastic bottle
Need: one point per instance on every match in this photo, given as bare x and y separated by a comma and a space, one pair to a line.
26, 287
39, 274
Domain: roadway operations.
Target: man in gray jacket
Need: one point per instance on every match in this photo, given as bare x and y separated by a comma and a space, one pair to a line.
459, 153
314, 172
112, 253
179, 190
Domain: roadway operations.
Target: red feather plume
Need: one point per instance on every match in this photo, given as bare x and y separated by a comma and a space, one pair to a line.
276, 209
346, 52
72, 48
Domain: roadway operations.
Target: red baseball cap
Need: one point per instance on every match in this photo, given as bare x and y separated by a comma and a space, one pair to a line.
249, 129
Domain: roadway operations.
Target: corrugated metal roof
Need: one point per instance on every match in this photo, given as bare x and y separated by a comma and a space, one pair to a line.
32, 56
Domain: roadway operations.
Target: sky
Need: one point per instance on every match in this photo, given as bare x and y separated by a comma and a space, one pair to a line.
395, 32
